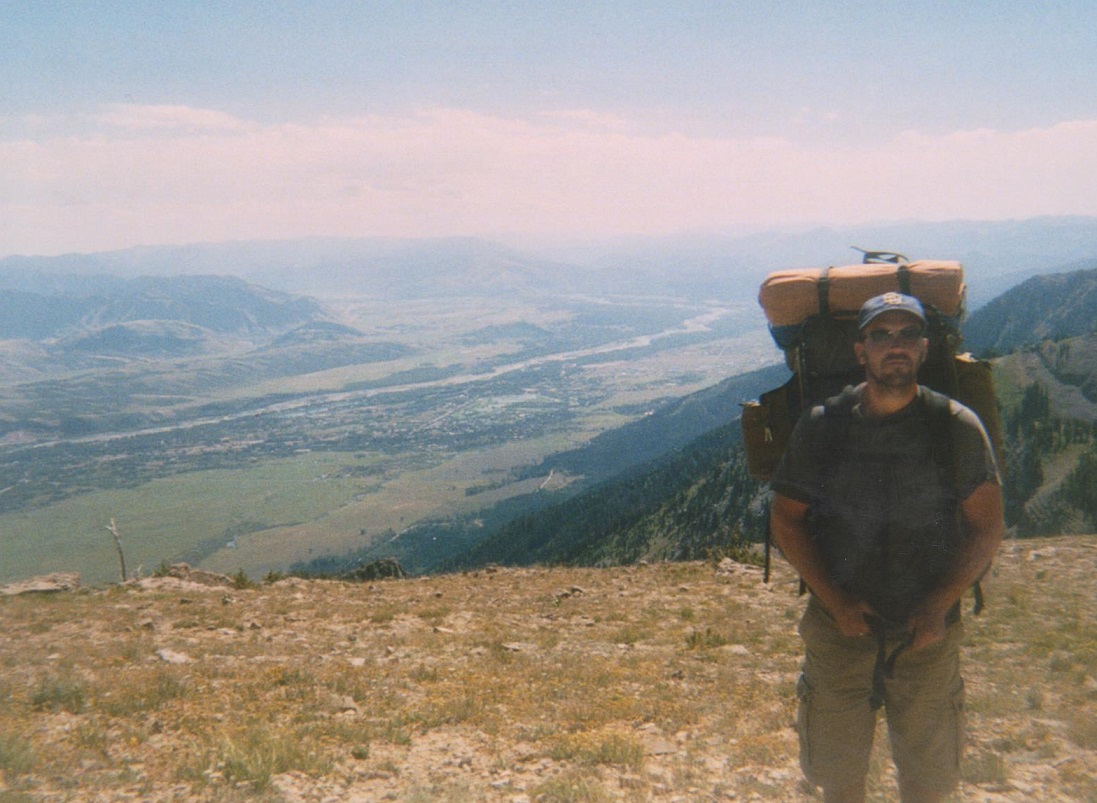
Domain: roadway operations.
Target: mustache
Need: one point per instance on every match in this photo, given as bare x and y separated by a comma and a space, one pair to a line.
898, 360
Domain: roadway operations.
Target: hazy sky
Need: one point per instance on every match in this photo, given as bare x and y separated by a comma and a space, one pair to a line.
127, 123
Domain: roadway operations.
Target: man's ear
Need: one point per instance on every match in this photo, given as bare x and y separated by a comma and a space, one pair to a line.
859, 351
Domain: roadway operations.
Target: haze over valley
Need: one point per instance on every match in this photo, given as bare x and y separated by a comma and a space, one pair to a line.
254, 429
233, 426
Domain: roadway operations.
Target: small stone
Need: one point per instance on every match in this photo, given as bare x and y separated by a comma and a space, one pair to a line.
173, 657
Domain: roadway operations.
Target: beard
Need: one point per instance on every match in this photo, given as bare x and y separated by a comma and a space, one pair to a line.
895, 372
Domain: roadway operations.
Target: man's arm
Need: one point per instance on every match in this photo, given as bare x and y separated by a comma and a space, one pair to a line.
789, 531
984, 525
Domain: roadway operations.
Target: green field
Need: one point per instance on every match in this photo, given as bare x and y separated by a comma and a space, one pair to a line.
188, 516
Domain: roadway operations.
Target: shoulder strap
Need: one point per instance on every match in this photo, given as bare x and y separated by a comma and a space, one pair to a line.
837, 417
837, 413
938, 409
939, 418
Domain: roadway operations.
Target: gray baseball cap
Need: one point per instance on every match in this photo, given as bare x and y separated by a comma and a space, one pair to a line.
890, 302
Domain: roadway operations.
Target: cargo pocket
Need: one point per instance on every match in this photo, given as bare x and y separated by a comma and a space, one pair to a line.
804, 694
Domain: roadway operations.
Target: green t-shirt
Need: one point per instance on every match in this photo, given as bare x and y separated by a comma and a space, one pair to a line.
883, 505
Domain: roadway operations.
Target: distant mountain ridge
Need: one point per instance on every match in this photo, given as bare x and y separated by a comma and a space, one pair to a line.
996, 254
157, 338
1049, 307
42, 306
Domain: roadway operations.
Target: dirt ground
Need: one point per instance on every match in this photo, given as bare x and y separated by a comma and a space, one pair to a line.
655, 682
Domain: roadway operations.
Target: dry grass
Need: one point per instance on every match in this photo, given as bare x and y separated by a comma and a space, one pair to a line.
670, 681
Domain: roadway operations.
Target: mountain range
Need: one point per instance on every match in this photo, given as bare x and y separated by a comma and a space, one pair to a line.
997, 255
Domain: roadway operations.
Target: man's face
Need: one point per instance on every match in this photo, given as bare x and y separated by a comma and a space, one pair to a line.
892, 349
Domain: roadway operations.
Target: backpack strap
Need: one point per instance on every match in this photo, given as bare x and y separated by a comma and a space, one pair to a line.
837, 419
823, 288
902, 273
938, 409
939, 419
837, 415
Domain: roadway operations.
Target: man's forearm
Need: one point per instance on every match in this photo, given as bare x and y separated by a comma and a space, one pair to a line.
789, 531
982, 513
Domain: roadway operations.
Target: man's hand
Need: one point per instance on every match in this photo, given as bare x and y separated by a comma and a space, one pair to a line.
789, 529
982, 512
849, 614
928, 625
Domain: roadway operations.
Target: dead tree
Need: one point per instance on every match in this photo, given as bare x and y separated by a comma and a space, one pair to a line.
118, 543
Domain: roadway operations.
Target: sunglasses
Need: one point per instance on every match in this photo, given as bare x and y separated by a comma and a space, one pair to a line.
907, 336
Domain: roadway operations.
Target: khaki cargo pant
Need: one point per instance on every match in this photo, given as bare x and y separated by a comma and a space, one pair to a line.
923, 703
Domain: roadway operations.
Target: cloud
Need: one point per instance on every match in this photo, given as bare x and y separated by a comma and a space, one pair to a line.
132, 116
162, 174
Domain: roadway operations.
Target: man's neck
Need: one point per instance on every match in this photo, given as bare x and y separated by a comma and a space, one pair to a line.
878, 401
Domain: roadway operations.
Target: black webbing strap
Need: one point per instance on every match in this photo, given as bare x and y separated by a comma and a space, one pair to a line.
823, 288
903, 274
885, 664
769, 543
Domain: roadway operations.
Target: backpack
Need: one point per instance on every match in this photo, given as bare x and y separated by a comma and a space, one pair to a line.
812, 317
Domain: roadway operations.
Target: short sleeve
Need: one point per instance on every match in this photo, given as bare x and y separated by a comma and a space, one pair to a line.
973, 455
797, 475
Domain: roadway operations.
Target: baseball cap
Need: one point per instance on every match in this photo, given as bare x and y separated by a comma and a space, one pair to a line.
890, 302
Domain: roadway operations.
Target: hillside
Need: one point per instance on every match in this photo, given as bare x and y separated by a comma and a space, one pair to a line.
620, 476
667, 681
1051, 307
632, 517
38, 306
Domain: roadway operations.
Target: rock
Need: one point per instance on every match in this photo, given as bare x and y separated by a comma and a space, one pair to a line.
45, 584
185, 572
661, 747
519, 646
342, 704
173, 657
574, 591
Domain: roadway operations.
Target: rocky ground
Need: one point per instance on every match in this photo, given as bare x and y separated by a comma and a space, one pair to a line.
658, 682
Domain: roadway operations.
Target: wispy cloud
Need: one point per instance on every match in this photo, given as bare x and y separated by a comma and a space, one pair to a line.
133, 116
150, 174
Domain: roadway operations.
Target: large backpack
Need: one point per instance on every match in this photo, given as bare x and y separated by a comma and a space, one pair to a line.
812, 316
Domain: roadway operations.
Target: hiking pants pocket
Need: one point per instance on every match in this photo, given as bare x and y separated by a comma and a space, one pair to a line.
834, 720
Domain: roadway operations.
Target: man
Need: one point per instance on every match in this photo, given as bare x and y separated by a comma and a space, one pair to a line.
887, 502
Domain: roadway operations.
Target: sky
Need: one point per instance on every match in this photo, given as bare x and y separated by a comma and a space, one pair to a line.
142, 123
